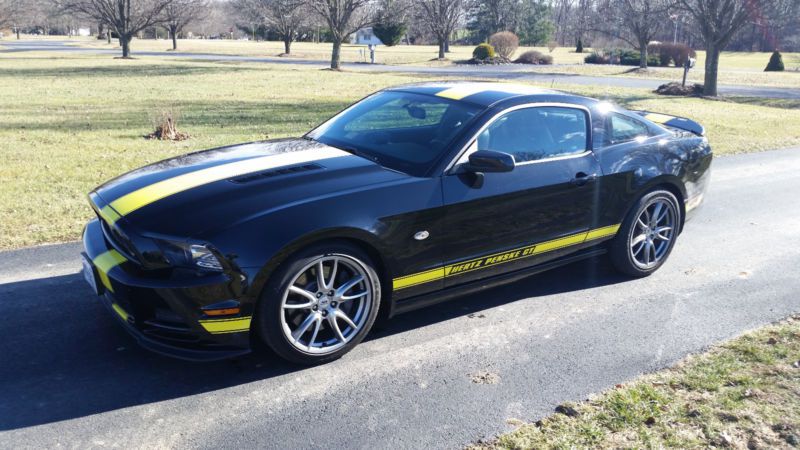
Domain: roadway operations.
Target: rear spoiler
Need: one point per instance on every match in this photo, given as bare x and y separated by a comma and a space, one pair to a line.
674, 122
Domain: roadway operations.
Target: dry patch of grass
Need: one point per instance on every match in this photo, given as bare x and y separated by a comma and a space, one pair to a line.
743, 394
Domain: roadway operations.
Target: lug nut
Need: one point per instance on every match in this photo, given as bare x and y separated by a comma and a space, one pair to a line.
333, 304
324, 313
314, 308
319, 294
330, 293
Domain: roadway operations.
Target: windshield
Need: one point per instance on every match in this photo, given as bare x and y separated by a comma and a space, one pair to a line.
399, 130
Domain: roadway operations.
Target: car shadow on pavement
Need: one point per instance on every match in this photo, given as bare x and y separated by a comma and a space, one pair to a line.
63, 357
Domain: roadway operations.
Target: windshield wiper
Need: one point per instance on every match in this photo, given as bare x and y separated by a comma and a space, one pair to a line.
358, 152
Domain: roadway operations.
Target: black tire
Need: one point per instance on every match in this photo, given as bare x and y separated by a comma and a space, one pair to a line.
620, 247
269, 319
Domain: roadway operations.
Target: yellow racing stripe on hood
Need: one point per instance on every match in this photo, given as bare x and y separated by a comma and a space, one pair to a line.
104, 263
139, 198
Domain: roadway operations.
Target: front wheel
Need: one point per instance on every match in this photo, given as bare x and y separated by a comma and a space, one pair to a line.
647, 236
319, 304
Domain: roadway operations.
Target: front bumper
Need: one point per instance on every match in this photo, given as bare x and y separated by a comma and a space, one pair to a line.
163, 311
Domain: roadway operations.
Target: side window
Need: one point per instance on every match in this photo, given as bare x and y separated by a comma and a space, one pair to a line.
536, 133
622, 129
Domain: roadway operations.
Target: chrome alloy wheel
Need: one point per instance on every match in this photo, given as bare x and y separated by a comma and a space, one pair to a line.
652, 235
326, 304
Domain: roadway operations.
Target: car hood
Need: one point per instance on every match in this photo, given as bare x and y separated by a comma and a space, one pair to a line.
195, 193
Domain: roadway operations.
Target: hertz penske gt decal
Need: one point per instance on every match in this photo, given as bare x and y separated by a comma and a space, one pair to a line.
502, 257
139, 198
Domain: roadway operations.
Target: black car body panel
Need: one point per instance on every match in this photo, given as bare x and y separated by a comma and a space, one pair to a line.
253, 205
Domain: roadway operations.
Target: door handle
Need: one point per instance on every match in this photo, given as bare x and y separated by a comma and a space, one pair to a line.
582, 178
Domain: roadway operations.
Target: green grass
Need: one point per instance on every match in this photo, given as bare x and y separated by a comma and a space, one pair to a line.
70, 122
742, 394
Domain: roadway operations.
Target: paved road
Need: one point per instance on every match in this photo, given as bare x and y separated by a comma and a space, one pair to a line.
70, 376
504, 72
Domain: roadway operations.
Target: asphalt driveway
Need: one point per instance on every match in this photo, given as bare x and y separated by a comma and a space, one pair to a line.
70, 376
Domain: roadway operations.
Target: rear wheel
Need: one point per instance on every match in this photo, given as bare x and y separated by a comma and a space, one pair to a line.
320, 303
647, 236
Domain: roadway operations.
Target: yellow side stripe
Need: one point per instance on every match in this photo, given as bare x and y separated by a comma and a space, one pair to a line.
502, 257
220, 326
602, 232
105, 262
142, 197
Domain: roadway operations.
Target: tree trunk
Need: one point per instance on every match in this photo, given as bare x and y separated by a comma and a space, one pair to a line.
17, 30
643, 54
336, 54
108, 35
441, 48
125, 42
447, 45
712, 68
287, 44
173, 30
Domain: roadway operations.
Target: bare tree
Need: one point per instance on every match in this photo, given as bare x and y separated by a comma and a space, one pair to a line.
717, 22
180, 13
440, 17
8, 12
125, 17
285, 17
344, 17
636, 22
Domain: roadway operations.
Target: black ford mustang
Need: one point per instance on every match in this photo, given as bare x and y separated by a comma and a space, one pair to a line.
410, 196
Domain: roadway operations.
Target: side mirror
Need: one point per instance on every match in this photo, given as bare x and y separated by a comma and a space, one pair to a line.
490, 161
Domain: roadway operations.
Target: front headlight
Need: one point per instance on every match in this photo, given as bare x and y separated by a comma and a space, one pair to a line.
201, 256
190, 255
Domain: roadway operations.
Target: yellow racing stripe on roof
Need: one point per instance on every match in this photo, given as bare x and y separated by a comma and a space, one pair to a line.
459, 92
142, 197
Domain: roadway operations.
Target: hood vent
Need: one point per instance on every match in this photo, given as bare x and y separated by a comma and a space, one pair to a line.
251, 177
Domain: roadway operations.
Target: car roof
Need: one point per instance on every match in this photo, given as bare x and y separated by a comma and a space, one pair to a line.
487, 93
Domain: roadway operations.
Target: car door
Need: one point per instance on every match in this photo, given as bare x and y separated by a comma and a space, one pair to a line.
540, 210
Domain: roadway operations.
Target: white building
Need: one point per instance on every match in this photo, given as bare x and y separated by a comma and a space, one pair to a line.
365, 36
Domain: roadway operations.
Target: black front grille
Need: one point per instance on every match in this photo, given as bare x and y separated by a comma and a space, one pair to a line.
249, 178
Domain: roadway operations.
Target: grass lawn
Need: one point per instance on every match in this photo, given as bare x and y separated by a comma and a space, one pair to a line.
401, 54
70, 122
744, 68
742, 394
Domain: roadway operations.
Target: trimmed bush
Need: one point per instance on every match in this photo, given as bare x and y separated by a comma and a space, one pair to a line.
596, 58
505, 43
389, 33
632, 58
579, 47
668, 54
483, 51
534, 57
775, 63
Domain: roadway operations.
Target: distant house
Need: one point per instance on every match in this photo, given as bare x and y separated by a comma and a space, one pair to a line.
84, 32
365, 36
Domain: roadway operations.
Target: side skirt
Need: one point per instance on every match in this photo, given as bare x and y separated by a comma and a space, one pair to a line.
433, 298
